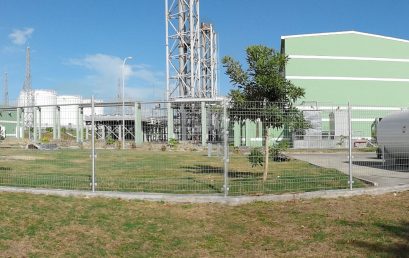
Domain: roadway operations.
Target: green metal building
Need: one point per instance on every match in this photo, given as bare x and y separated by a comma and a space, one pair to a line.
8, 122
355, 67
371, 72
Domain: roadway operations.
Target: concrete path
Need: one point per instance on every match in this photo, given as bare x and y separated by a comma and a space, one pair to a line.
365, 166
203, 198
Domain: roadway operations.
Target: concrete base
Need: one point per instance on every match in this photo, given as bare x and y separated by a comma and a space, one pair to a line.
202, 198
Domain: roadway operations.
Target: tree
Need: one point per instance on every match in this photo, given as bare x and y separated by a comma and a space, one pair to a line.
263, 81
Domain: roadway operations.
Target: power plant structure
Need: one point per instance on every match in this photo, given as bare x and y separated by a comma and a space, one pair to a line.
191, 52
191, 69
187, 114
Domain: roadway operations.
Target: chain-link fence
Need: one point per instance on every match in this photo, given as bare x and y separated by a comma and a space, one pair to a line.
202, 146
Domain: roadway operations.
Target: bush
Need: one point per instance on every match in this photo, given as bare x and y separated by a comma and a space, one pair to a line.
276, 151
109, 140
256, 157
173, 143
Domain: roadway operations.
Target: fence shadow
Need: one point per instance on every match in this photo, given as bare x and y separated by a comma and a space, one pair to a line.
379, 164
398, 248
206, 169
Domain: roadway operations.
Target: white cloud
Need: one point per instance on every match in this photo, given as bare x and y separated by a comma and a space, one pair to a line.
142, 82
20, 37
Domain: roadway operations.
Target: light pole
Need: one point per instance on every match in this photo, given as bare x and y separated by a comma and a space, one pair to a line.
123, 101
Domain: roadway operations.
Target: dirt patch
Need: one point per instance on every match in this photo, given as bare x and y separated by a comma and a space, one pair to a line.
19, 157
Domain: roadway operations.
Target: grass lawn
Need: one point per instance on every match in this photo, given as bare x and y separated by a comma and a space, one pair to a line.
44, 226
158, 171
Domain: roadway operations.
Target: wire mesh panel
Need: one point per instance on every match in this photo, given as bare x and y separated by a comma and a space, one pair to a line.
167, 147
49, 152
306, 149
202, 146
381, 144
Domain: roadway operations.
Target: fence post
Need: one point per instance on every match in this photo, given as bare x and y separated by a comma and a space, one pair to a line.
23, 125
226, 149
204, 123
55, 123
35, 129
39, 124
170, 121
350, 147
78, 125
18, 125
81, 126
138, 124
93, 142
58, 121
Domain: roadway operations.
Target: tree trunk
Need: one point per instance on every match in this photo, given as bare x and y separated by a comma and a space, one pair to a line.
266, 153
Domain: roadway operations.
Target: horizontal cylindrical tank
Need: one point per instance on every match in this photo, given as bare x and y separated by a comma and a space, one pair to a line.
392, 134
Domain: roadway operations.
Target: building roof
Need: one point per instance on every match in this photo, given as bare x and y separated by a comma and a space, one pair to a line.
342, 33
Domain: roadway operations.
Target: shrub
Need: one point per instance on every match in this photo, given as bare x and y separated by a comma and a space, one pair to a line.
173, 143
109, 140
276, 151
256, 157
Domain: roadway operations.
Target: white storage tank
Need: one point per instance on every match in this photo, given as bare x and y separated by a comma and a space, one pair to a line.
98, 110
392, 134
68, 110
44, 98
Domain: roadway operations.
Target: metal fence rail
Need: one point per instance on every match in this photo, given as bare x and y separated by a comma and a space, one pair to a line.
215, 147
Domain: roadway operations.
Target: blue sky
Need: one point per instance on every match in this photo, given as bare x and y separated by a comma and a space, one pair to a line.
77, 45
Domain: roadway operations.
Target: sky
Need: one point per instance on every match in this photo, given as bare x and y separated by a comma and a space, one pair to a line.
77, 46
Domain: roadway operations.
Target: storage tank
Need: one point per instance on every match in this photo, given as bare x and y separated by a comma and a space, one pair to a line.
392, 134
98, 110
44, 98
68, 110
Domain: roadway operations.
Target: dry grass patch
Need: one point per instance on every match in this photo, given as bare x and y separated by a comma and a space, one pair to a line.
42, 226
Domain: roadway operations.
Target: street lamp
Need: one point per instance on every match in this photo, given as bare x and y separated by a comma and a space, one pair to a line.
123, 101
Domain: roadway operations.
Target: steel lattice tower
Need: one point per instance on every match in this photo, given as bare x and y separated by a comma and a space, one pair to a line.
182, 49
6, 90
28, 94
209, 61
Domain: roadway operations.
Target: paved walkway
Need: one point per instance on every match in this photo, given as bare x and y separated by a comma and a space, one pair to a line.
365, 166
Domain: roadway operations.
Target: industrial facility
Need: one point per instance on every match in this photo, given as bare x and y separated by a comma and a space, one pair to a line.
191, 90
334, 68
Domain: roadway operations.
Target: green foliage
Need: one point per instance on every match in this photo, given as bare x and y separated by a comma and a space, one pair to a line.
256, 157
264, 82
173, 143
109, 140
276, 151
45, 139
264, 94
